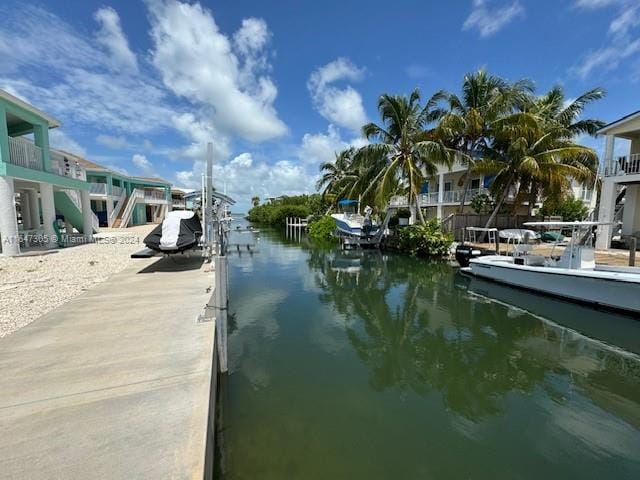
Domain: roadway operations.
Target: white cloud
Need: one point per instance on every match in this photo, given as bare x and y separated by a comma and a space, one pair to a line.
606, 59
592, 4
142, 163
489, 20
111, 36
320, 147
80, 85
341, 106
200, 133
628, 19
59, 140
113, 142
197, 62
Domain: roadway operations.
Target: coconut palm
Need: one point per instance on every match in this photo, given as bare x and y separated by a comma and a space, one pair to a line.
527, 148
467, 126
554, 108
402, 152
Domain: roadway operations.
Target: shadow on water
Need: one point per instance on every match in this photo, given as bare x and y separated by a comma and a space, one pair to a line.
367, 365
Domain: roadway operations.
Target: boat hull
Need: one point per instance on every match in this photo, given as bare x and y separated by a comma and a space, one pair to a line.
612, 291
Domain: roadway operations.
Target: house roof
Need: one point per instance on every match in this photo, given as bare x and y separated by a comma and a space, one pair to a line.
151, 179
53, 123
620, 121
96, 167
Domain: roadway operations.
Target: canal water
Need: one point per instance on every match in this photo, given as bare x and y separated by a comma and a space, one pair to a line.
365, 365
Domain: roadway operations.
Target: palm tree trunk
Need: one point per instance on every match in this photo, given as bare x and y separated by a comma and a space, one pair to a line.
501, 199
465, 189
532, 198
420, 215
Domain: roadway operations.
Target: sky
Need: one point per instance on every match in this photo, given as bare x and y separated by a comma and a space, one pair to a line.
279, 86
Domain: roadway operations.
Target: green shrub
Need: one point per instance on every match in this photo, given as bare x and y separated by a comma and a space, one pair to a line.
426, 240
322, 229
570, 209
482, 204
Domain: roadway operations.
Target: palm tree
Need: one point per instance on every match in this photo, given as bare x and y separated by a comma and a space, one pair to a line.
467, 125
527, 148
402, 151
255, 201
555, 109
338, 177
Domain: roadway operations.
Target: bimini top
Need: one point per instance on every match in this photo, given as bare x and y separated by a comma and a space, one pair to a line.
348, 202
564, 224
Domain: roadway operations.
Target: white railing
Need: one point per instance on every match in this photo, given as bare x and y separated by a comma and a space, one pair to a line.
135, 196
626, 165
98, 188
449, 196
65, 167
75, 198
455, 196
120, 203
178, 204
116, 191
155, 195
25, 153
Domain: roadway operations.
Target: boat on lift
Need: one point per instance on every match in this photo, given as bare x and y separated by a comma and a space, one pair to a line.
353, 227
573, 275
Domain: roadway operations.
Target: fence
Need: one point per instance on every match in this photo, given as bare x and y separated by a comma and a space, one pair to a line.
457, 222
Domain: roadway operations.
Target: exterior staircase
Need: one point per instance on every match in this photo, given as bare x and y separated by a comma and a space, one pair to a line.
68, 204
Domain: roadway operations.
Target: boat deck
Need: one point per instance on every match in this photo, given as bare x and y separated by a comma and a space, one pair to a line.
618, 258
113, 384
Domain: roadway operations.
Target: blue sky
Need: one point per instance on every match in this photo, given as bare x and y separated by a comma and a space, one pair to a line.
279, 86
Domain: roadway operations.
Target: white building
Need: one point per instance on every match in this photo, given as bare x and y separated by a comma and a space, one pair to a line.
621, 179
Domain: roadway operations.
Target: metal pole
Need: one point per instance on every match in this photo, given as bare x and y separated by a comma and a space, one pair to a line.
222, 303
208, 193
633, 242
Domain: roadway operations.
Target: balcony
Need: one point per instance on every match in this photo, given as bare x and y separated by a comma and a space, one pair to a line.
626, 165
65, 167
24, 153
448, 196
155, 196
98, 189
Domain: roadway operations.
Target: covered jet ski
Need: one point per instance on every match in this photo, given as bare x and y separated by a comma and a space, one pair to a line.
179, 231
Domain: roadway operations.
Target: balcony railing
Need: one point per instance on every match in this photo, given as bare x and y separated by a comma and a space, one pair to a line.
155, 195
98, 188
626, 165
24, 153
116, 191
66, 167
449, 196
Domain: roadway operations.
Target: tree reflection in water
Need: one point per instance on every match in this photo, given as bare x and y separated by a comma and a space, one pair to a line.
417, 328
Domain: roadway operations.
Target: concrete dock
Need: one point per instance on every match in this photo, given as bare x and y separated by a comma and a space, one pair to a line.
114, 384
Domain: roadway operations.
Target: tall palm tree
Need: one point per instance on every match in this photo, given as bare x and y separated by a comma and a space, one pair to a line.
525, 147
467, 126
555, 109
402, 151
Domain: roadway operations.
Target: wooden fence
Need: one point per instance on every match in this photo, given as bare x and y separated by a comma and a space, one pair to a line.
456, 223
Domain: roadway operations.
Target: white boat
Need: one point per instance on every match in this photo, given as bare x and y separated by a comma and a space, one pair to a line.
572, 276
352, 225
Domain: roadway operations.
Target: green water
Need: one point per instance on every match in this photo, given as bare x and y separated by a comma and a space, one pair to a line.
374, 366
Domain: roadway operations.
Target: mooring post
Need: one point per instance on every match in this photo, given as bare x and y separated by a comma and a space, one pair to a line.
633, 243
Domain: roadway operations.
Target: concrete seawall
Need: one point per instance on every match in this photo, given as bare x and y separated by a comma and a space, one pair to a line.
114, 384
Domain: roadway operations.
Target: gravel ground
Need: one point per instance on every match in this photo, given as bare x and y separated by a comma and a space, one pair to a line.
31, 286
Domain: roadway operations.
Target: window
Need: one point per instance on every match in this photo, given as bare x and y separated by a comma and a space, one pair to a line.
447, 186
475, 184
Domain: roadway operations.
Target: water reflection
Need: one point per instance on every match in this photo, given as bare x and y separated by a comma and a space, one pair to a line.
418, 327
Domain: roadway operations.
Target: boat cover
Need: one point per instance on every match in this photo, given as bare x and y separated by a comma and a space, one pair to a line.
180, 231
